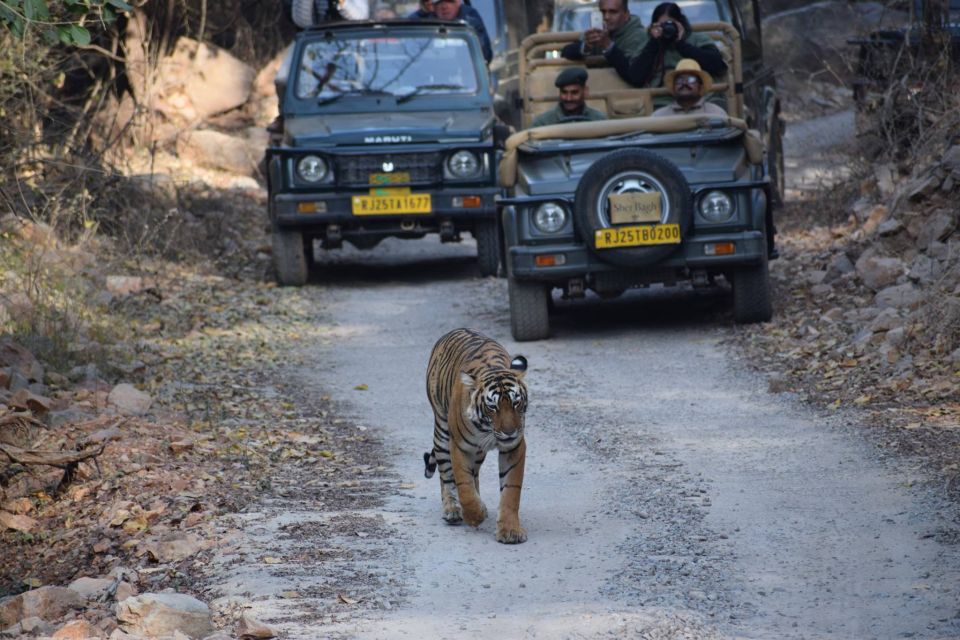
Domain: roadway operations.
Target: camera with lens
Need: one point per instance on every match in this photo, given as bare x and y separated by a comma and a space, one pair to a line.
669, 31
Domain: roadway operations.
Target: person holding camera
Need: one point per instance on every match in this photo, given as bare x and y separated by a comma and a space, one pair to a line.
620, 30
671, 40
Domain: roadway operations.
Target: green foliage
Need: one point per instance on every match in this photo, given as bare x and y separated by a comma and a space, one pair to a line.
64, 21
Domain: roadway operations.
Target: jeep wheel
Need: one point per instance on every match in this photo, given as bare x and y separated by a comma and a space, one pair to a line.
289, 258
529, 310
751, 293
631, 171
488, 248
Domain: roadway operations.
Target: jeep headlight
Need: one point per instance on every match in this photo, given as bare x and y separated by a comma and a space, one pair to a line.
311, 168
463, 164
549, 217
716, 206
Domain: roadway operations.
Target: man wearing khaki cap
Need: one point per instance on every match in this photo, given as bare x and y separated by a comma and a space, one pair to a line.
689, 84
572, 105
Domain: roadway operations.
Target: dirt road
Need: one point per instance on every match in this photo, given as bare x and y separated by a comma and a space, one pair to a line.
667, 495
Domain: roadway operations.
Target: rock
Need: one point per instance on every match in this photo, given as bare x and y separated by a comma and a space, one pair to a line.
877, 272
951, 161
124, 285
903, 296
889, 227
103, 435
922, 188
125, 590
937, 227
176, 549
162, 614
885, 321
213, 80
180, 446
16, 522
129, 400
91, 588
219, 635
78, 630
35, 626
217, 150
252, 629
19, 359
839, 265
955, 357
895, 337
46, 603
18, 381
19, 506
925, 269
25, 399
13, 631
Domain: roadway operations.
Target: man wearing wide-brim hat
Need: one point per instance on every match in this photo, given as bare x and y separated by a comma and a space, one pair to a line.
688, 84
572, 104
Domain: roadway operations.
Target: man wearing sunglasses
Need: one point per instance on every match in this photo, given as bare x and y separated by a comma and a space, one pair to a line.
688, 84
457, 10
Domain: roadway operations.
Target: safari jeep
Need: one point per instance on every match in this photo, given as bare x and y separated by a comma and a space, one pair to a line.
633, 200
388, 131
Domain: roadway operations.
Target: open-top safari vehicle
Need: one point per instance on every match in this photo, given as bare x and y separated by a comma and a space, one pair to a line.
637, 200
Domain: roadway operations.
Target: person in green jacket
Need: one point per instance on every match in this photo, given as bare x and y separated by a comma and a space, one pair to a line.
671, 40
621, 31
572, 106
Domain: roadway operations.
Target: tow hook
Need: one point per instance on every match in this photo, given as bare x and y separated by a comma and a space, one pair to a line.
407, 225
575, 288
334, 238
700, 278
448, 232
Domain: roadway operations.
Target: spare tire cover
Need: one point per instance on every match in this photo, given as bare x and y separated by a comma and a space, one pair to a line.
631, 171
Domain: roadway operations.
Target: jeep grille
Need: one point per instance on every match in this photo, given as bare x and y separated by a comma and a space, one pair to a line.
355, 171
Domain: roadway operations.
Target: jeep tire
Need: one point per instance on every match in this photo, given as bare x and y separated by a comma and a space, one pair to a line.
289, 257
529, 309
752, 300
638, 166
488, 247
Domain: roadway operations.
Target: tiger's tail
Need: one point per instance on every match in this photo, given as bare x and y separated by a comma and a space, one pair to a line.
430, 464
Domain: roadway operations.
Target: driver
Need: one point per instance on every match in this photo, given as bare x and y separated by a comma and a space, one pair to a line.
572, 105
456, 10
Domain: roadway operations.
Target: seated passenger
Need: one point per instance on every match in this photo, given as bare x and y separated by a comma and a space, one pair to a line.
671, 40
689, 84
621, 31
572, 106
424, 11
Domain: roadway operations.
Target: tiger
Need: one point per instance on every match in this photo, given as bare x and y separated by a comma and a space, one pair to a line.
479, 401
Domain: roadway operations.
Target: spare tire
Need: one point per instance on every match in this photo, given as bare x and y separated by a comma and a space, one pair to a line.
631, 171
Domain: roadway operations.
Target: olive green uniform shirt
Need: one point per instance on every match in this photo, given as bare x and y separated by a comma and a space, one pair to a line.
557, 116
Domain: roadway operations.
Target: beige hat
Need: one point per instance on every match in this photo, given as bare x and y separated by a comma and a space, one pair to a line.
689, 66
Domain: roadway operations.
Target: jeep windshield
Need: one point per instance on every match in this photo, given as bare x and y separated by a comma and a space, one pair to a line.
578, 17
397, 65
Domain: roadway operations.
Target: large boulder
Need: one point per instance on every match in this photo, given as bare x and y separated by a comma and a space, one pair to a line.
46, 603
878, 272
199, 80
129, 400
163, 614
216, 150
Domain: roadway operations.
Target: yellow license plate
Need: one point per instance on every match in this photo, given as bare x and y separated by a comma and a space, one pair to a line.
390, 205
637, 236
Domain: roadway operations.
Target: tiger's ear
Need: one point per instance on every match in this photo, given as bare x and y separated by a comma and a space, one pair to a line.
519, 363
467, 380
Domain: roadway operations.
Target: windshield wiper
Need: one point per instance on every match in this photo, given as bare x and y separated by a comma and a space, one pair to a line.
428, 87
353, 92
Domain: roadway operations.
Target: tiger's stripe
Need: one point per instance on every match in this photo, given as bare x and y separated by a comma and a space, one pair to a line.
479, 402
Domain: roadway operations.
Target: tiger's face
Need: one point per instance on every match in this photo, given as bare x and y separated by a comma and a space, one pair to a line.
498, 402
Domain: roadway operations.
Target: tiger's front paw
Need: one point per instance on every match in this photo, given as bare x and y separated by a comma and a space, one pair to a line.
511, 535
452, 515
475, 515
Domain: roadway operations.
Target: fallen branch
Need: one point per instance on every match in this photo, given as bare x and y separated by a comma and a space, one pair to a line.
68, 461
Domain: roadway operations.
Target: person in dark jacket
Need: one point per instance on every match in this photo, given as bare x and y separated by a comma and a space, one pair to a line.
424, 11
620, 30
456, 10
671, 40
